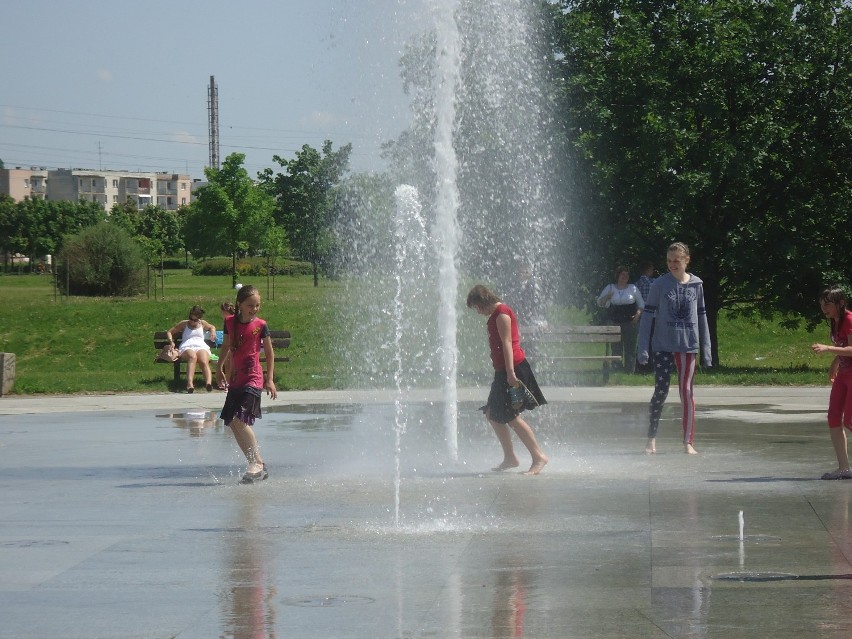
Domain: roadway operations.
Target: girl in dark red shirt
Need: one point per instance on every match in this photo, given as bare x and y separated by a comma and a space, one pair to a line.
510, 367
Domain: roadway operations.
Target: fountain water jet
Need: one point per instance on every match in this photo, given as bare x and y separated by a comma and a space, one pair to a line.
410, 245
446, 221
480, 153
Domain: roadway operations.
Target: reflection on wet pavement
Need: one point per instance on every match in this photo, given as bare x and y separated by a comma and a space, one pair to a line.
134, 525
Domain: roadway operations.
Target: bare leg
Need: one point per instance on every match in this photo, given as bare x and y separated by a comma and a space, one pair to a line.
689, 450
527, 437
504, 436
838, 440
248, 444
651, 446
204, 362
190, 358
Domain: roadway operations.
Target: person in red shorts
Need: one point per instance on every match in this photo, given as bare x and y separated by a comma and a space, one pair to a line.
832, 302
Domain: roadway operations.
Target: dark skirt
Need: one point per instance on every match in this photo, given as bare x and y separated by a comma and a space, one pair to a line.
499, 406
242, 404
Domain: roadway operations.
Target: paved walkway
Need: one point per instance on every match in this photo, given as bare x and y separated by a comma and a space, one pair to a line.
815, 398
122, 517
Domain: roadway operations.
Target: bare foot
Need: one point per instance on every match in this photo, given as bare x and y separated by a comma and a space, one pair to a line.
537, 467
506, 465
689, 450
255, 467
651, 446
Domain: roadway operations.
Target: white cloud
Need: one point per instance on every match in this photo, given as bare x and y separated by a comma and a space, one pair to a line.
321, 119
8, 115
185, 138
104, 75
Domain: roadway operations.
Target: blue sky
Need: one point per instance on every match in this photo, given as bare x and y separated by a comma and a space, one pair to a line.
119, 85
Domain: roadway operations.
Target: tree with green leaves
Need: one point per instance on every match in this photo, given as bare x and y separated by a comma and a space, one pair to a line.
723, 124
158, 231
304, 196
230, 215
35, 227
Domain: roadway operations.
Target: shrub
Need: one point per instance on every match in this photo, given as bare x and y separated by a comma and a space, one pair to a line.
101, 260
174, 263
250, 267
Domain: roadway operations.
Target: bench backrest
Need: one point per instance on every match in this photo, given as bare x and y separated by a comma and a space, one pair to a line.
572, 334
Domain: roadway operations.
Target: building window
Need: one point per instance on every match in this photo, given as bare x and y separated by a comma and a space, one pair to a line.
26, 183
115, 184
168, 201
183, 201
115, 199
183, 186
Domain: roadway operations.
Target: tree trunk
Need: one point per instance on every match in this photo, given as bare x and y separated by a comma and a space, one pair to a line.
712, 304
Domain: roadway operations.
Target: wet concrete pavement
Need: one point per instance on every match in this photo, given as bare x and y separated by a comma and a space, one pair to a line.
122, 517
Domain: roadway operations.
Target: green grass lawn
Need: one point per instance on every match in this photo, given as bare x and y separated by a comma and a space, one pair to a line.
98, 345
79, 345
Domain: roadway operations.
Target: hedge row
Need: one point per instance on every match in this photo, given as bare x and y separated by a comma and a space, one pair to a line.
251, 267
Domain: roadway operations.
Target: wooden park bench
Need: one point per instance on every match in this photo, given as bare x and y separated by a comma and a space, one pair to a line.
280, 341
557, 350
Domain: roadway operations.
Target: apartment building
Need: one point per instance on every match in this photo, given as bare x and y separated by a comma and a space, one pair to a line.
167, 190
20, 183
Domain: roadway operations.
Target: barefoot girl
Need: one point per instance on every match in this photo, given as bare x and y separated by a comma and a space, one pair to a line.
245, 335
510, 366
832, 302
675, 310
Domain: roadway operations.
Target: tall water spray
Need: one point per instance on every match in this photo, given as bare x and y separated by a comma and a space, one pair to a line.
479, 151
447, 206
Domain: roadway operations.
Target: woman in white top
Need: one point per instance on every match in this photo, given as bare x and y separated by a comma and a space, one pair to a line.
623, 303
193, 348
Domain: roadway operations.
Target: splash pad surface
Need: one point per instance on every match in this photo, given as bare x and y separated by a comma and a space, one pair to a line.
130, 523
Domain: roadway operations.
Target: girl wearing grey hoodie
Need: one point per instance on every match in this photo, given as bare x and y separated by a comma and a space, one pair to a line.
675, 313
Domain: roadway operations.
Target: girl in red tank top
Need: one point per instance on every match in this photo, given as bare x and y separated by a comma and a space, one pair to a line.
510, 368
